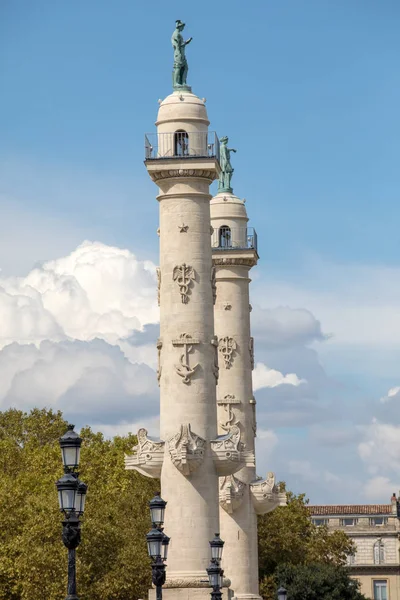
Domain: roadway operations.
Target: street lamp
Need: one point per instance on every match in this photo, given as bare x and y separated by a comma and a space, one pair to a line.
71, 498
282, 593
214, 570
157, 543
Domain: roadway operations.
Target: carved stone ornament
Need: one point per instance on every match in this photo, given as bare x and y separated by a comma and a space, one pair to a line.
211, 229
254, 424
266, 495
227, 306
227, 347
158, 271
229, 399
184, 275
147, 457
183, 228
184, 369
251, 350
214, 284
159, 368
186, 450
226, 452
233, 261
191, 581
231, 492
215, 368
208, 174
158, 231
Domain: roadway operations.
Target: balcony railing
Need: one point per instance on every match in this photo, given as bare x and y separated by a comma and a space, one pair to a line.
234, 238
182, 145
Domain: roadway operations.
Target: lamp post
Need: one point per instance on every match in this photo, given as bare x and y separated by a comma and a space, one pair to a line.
214, 570
282, 593
71, 497
157, 543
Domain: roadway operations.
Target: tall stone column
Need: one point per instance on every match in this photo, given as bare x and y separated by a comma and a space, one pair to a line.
182, 159
241, 495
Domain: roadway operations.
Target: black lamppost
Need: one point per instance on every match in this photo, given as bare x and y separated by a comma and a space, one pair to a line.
157, 543
282, 593
214, 570
71, 496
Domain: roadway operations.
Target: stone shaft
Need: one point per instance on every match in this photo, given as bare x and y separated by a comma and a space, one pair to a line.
232, 260
188, 419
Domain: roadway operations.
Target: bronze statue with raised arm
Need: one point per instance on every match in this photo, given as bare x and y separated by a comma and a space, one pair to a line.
180, 63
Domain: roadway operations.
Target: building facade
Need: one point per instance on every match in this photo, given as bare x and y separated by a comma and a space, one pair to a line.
375, 530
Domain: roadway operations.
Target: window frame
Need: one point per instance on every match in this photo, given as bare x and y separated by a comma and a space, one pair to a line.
376, 584
353, 524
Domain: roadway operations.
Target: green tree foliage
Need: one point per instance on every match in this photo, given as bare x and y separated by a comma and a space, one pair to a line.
318, 582
112, 558
286, 536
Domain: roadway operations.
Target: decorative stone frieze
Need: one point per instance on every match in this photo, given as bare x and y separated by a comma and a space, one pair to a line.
159, 367
147, 457
227, 347
184, 275
266, 495
231, 492
186, 450
224, 261
173, 173
158, 271
184, 369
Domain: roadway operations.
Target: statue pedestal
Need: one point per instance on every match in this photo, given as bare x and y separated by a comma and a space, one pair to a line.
190, 594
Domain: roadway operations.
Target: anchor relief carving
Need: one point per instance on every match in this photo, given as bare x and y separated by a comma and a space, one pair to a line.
186, 450
147, 457
227, 347
184, 275
184, 369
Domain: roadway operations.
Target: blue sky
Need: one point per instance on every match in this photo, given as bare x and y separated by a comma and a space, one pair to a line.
308, 93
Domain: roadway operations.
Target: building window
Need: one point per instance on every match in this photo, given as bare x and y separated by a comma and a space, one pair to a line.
348, 522
378, 521
379, 553
320, 522
380, 589
351, 559
181, 143
225, 239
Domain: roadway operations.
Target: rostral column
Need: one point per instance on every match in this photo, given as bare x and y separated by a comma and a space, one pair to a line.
182, 158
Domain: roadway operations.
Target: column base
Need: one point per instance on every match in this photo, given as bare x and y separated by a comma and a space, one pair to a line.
190, 594
246, 597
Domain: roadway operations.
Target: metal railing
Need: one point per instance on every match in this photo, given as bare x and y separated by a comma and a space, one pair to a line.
234, 238
181, 144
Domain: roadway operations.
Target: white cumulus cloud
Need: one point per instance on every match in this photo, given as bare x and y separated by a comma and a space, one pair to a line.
392, 393
263, 377
97, 291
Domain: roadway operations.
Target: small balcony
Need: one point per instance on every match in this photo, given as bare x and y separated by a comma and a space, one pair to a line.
234, 238
181, 145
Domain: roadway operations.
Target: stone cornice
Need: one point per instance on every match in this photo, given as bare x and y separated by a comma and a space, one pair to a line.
207, 174
225, 261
